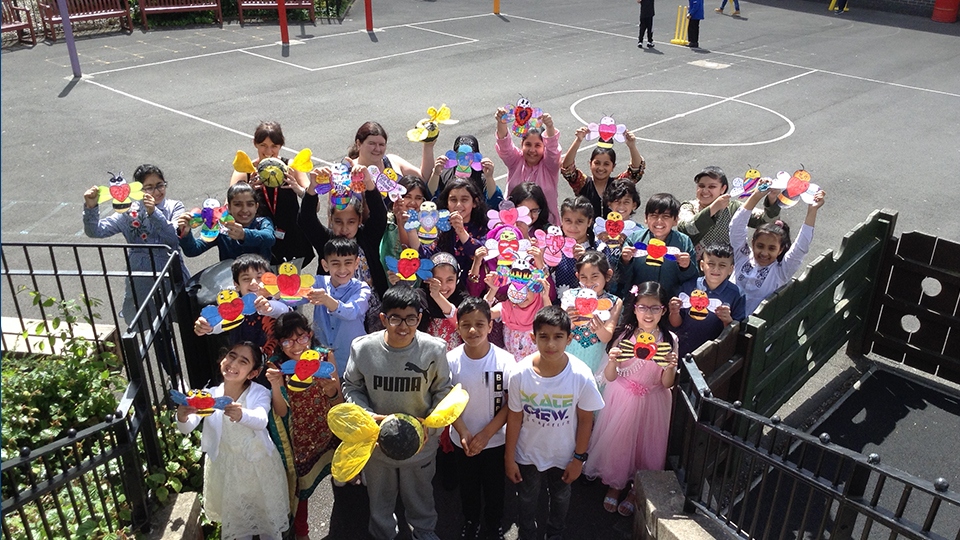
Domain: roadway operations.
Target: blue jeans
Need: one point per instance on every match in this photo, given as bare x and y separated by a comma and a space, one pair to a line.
528, 493
736, 4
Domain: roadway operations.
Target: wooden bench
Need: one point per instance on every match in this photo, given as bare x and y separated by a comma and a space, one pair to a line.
154, 7
13, 21
272, 4
83, 10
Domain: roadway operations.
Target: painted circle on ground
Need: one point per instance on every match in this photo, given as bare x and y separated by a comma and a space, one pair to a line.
791, 127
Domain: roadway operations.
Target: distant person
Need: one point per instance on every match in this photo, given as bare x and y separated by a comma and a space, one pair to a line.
841, 6
736, 6
695, 14
646, 22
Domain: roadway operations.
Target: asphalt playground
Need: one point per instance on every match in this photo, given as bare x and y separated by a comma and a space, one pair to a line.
868, 102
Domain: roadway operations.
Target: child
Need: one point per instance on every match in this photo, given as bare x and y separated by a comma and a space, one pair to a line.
631, 431
150, 221
576, 221
399, 370
397, 238
246, 234
244, 486
769, 261
518, 314
538, 162
646, 22
590, 338
721, 301
483, 370
280, 204
736, 7
468, 228
603, 161
620, 196
445, 294
552, 397
531, 195
298, 424
695, 15
706, 219
483, 179
669, 270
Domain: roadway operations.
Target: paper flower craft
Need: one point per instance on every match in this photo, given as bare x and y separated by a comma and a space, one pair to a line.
386, 181
428, 222
465, 160
230, 309
656, 252
410, 266
506, 247
311, 365
400, 436
210, 217
522, 117
271, 170
522, 277
744, 187
646, 348
509, 214
287, 285
201, 399
795, 187
607, 131
699, 303
428, 129
616, 228
587, 305
554, 244
120, 192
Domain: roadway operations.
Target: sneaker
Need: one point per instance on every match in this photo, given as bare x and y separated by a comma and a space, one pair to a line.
470, 531
639, 44
719, 10
737, 12
694, 45
650, 44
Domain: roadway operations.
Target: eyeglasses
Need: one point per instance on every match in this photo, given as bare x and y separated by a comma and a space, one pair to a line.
395, 320
649, 309
534, 211
159, 187
302, 340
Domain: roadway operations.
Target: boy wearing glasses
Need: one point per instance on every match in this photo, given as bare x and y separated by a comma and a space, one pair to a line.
657, 252
341, 300
399, 370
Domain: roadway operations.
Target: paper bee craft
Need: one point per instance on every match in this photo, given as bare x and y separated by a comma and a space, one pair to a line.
522, 117
508, 214
428, 222
506, 246
340, 184
607, 131
201, 399
271, 171
400, 436
210, 217
120, 192
521, 276
410, 266
616, 228
700, 305
428, 129
587, 305
311, 365
230, 309
554, 245
386, 181
656, 251
287, 285
795, 187
743, 187
646, 348
465, 160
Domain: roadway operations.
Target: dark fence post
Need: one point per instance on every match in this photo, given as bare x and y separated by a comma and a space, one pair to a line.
846, 513
143, 409
131, 471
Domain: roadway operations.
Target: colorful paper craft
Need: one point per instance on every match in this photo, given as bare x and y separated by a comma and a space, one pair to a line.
386, 181
554, 245
428, 129
342, 187
203, 400
795, 187
646, 348
506, 247
587, 305
522, 276
410, 266
428, 222
271, 171
607, 131
287, 285
616, 228
120, 192
699, 303
400, 436
230, 309
509, 214
210, 217
311, 365
656, 252
744, 187
522, 117
465, 160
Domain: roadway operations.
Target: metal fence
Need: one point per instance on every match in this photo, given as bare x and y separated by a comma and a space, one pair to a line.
93, 478
761, 479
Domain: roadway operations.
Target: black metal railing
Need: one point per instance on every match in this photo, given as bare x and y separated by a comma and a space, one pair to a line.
93, 479
762, 479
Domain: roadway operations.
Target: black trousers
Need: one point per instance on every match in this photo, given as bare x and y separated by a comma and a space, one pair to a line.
481, 484
693, 32
646, 25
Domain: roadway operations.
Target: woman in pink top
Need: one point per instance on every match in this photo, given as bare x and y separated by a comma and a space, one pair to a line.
538, 161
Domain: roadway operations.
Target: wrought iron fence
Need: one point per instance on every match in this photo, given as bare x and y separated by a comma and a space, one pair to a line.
93, 478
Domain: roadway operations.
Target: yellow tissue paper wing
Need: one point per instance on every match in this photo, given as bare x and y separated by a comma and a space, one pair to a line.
303, 162
242, 163
449, 409
352, 424
104, 195
349, 459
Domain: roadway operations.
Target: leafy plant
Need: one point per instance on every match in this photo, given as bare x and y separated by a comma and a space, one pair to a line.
184, 468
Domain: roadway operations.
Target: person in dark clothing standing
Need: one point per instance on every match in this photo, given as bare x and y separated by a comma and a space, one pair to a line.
695, 14
646, 22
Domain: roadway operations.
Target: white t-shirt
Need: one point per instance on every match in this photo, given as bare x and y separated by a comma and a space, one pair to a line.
548, 434
485, 380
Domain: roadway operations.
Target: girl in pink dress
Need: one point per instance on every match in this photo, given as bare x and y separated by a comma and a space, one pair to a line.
631, 430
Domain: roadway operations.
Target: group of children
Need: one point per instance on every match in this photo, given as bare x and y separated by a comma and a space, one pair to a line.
563, 320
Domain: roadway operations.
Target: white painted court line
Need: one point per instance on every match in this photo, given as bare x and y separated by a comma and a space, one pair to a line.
394, 55
277, 60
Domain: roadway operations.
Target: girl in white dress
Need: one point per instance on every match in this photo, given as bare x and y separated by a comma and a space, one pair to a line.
244, 483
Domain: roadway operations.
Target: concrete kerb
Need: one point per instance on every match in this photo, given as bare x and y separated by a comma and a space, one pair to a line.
660, 512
